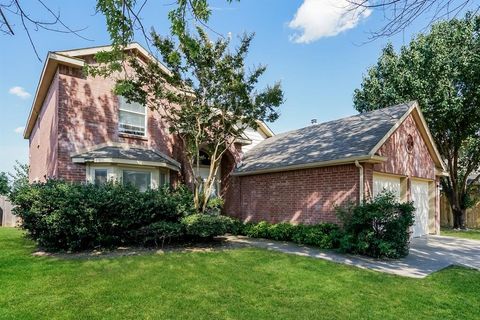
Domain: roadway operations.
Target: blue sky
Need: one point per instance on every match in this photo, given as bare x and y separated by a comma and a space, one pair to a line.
319, 63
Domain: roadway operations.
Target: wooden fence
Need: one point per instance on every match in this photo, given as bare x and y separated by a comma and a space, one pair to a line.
446, 216
7, 219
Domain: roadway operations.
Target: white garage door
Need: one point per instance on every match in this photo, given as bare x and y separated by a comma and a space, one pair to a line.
419, 193
386, 183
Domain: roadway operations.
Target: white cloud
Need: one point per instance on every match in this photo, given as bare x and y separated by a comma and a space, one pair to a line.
316, 19
19, 129
19, 92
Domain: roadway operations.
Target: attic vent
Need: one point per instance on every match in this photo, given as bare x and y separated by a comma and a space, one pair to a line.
409, 143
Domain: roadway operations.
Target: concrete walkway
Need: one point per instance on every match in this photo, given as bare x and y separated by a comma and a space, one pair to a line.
427, 255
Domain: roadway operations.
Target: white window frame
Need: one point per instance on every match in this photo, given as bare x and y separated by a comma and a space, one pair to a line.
115, 173
153, 185
91, 173
120, 109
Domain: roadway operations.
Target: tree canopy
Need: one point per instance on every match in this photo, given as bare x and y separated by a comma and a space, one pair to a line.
441, 71
207, 97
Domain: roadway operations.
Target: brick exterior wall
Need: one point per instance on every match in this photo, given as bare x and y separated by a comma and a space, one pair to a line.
43, 144
415, 163
299, 196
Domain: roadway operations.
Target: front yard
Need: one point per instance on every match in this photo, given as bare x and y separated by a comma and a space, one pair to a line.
467, 234
231, 284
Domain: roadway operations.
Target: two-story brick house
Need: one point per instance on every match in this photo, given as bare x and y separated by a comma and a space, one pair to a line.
79, 130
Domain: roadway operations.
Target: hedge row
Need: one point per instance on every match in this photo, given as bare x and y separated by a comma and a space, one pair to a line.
70, 216
324, 235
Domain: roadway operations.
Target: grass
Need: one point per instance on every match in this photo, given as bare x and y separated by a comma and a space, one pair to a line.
467, 234
231, 284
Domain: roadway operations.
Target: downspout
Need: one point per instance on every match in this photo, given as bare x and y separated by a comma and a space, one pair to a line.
362, 184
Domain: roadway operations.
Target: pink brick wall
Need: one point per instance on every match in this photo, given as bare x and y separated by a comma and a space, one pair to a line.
417, 163
88, 116
300, 196
43, 138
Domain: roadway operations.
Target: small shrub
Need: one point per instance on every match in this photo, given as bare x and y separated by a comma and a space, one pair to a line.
281, 231
379, 228
320, 235
257, 230
158, 232
206, 226
237, 227
214, 206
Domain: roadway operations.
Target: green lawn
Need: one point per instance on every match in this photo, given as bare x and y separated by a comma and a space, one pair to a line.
230, 284
469, 234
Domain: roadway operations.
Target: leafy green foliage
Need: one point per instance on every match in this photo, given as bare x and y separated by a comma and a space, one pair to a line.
68, 216
206, 226
322, 235
379, 228
440, 71
207, 97
158, 232
4, 187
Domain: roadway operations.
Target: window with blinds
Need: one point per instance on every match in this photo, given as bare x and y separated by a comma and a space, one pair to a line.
132, 118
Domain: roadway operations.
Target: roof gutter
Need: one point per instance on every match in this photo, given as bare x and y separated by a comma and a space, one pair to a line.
336, 162
361, 188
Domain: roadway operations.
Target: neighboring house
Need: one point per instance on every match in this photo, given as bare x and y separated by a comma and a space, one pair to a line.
7, 218
80, 131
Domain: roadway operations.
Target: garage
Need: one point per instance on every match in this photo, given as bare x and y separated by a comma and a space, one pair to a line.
419, 195
386, 183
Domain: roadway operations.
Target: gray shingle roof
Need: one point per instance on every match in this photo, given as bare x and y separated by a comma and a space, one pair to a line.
339, 139
136, 154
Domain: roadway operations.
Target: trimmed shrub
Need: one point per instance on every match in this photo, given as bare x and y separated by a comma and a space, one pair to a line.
323, 235
379, 228
281, 231
206, 226
257, 230
71, 216
320, 235
158, 232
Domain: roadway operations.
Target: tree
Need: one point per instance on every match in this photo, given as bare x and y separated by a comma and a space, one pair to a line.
4, 188
18, 178
399, 14
441, 71
207, 98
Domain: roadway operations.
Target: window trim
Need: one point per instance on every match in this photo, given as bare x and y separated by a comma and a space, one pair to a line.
91, 173
137, 170
115, 173
120, 109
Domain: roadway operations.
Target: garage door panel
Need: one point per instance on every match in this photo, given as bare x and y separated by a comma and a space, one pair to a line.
386, 183
420, 197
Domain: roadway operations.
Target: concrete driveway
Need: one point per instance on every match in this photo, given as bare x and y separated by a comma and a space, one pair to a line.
427, 255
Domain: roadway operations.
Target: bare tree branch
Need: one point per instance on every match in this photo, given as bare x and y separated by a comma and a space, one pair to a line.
400, 14
16, 10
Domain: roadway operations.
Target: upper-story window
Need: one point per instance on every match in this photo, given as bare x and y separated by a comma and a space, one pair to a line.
132, 118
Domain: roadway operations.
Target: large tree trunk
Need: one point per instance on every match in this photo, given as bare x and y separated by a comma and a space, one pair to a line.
458, 218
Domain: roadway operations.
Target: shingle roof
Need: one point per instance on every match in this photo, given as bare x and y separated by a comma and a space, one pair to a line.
353, 136
136, 154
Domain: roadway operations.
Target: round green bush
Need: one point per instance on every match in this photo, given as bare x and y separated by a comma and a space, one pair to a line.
206, 226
